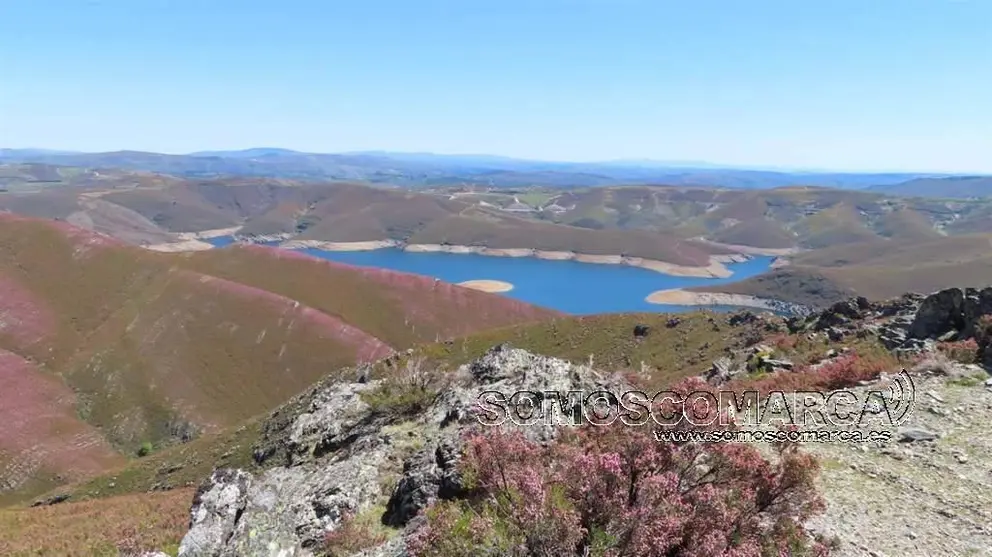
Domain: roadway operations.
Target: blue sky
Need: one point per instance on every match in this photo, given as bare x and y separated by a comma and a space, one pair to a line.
842, 84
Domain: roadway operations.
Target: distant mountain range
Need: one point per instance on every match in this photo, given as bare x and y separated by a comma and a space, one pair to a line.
953, 186
428, 170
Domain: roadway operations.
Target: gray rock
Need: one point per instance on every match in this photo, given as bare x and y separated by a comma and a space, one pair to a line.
216, 513
720, 371
779, 363
914, 434
329, 452
952, 309
426, 477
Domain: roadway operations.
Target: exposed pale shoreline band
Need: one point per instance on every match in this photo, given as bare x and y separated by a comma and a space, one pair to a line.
193, 241
716, 268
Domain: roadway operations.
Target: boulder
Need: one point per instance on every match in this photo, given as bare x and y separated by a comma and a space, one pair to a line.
938, 313
951, 310
720, 372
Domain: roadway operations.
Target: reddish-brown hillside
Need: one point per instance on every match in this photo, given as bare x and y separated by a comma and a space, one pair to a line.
123, 347
370, 298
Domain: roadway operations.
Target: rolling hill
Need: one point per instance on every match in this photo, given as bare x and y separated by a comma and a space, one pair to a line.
877, 269
349, 212
109, 350
821, 231
780, 218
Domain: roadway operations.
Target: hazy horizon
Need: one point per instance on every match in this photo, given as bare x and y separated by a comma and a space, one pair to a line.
661, 163
846, 86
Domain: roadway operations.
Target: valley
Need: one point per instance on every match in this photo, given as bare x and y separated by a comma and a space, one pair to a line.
828, 243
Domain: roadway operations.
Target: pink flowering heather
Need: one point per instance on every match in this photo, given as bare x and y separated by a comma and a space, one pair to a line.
616, 491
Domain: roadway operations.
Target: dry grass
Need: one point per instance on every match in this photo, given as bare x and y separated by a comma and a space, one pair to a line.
148, 521
667, 353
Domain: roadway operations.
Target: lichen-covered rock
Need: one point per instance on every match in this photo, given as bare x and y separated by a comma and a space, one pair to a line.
333, 457
217, 509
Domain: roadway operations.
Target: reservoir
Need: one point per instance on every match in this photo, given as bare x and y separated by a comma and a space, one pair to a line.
567, 286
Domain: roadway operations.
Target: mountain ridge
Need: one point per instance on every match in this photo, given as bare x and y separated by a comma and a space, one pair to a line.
425, 169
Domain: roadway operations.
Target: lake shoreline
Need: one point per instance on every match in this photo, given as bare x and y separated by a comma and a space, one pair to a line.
192, 241
579, 290
716, 269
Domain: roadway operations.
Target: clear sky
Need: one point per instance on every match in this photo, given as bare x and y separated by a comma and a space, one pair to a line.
843, 84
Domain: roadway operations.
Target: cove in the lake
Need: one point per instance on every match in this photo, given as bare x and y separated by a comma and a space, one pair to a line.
568, 286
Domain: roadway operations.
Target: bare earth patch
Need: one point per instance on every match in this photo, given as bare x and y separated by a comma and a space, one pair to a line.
184, 245
919, 497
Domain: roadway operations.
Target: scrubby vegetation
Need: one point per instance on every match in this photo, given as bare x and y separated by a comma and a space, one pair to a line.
614, 491
407, 390
843, 371
358, 532
964, 351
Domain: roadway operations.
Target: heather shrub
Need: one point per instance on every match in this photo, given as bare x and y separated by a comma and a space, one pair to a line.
843, 371
407, 391
145, 449
964, 351
783, 342
613, 491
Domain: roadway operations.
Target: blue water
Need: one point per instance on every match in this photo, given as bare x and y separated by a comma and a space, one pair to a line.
568, 286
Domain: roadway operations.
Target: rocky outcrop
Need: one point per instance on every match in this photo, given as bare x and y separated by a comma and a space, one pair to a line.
332, 455
953, 313
217, 510
910, 323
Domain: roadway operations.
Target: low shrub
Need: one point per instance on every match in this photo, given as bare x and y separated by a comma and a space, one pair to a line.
357, 533
782, 342
145, 449
846, 370
614, 491
408, 390
964, 351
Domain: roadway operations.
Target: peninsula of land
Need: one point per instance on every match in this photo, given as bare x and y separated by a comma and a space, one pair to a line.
680, 297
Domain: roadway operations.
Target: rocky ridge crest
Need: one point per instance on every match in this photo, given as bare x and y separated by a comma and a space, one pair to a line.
336, 456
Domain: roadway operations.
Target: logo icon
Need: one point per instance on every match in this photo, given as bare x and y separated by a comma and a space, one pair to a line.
902, 397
